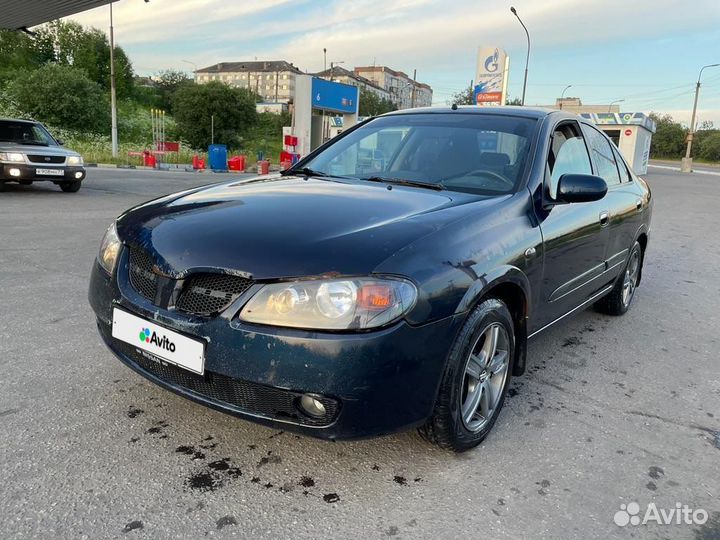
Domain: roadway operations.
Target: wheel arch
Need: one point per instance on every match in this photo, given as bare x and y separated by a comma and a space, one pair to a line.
642, 238
510, 285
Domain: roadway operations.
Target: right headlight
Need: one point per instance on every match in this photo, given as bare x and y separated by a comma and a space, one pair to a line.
12, 156
334, 304
109, 249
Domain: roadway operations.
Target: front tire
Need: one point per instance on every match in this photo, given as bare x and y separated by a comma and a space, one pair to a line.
620, 298
71, 187
476, 379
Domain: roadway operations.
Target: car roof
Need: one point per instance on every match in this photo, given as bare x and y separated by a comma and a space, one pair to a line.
23, 120
506, 110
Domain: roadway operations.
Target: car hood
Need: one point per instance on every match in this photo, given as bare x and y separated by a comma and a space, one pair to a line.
282, 227
36, 149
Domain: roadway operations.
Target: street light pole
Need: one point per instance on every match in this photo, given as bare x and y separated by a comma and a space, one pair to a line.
527, 58
562, 96
194, 65
613, 103
686, 164
113, 99
324, 59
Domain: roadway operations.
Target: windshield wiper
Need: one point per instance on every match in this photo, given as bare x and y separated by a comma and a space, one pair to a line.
305, 171
33, 143
405, 182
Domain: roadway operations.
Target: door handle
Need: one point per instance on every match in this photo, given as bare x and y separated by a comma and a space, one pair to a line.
604, 218
639, 205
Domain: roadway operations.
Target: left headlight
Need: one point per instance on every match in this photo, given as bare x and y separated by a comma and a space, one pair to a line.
109, 249
336, 304
74, 160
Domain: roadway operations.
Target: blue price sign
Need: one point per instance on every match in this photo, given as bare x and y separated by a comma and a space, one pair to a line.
334, 96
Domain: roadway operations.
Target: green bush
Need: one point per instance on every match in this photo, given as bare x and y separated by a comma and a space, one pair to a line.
61, 96
669, 139
708, 147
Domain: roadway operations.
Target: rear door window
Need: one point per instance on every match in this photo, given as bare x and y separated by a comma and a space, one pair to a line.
602, 155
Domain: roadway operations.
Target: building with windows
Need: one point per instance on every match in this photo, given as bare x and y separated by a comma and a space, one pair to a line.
272, 80
404, 92
340, 74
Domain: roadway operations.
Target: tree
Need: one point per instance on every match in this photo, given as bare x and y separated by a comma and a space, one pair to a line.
19, 52
464, 97
233, 110
513, 101
62, 96
89, 49
669, 139
372, 105
167, 83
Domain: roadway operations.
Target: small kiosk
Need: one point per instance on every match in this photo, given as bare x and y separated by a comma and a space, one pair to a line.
631, 132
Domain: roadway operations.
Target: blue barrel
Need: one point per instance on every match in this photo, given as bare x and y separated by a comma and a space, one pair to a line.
217, 157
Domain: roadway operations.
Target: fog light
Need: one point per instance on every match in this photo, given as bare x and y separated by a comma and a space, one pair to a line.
312, 406
15, 172
78, 175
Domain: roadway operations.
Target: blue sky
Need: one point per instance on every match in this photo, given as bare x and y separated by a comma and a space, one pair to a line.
647, 52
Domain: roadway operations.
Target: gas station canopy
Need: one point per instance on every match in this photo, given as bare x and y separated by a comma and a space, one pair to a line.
18, 14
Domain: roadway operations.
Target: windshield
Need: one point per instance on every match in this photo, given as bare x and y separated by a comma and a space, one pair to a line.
24, 133
475, 153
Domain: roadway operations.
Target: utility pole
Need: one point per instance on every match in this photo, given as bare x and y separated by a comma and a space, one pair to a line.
412, 98
686, 164
113, 99
324, 59
527, 58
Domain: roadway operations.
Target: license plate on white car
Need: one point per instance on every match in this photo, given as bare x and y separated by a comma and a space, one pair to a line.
50, 172
159, 341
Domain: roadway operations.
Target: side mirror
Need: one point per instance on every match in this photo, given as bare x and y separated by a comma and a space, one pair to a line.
575, 188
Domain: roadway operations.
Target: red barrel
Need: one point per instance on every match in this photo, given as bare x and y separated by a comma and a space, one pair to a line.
198, 162
236, 163
263, 167
148, 159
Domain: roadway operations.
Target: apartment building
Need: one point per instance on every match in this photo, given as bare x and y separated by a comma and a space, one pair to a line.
342, 75
273, 80
404, 92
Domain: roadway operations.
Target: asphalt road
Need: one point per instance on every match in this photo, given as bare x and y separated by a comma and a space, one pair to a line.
612, 410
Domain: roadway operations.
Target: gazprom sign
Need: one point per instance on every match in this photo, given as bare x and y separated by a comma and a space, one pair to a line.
334, 96
491, 76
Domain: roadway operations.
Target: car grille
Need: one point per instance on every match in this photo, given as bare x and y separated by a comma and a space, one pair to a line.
244, 396
142, 277
207, 294
203, 294
33, 158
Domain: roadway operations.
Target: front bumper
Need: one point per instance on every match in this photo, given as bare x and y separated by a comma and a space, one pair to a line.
28, 172
381, 381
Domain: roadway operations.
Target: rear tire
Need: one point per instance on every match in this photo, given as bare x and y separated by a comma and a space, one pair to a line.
620, 298
476, 379
71, 187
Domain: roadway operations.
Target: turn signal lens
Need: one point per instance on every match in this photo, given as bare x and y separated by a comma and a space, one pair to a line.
375, 297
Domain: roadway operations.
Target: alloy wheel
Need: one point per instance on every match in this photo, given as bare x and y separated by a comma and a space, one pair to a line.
485, 373
630, 279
